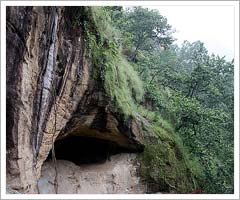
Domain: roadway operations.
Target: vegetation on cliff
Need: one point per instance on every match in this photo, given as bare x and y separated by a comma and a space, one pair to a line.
184, 93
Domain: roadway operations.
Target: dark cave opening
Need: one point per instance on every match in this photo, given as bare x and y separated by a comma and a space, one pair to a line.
85, 150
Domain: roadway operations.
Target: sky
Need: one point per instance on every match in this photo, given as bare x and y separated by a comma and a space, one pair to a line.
213, 25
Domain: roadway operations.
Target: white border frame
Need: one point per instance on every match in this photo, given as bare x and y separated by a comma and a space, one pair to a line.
118, 196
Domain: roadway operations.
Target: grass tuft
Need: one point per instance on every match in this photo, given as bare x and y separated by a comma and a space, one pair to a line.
121, 81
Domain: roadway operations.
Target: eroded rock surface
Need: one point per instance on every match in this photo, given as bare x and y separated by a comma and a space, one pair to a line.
51, 94
118, 176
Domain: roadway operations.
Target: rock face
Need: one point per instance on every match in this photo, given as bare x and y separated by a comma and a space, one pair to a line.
118, 176
52, 94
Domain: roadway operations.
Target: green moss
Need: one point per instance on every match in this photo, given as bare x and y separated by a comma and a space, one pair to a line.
166, 164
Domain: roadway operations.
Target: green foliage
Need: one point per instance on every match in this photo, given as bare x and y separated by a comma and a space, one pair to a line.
143, 30
185, 94
156, 118
120, 81
200, 105
123, 85
187, 87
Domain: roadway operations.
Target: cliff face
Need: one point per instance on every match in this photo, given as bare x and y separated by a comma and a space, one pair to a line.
71, 95
52, 93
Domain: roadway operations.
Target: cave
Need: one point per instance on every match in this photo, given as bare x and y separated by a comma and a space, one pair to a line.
85, 150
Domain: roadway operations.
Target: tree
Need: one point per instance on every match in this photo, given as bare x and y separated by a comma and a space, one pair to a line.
193, 54
147, 30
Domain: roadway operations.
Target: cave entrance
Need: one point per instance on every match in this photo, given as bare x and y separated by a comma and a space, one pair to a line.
85, 150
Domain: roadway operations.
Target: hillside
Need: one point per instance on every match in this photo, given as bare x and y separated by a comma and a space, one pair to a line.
106, 89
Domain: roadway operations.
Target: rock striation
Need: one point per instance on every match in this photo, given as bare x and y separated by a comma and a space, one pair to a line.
52, 93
